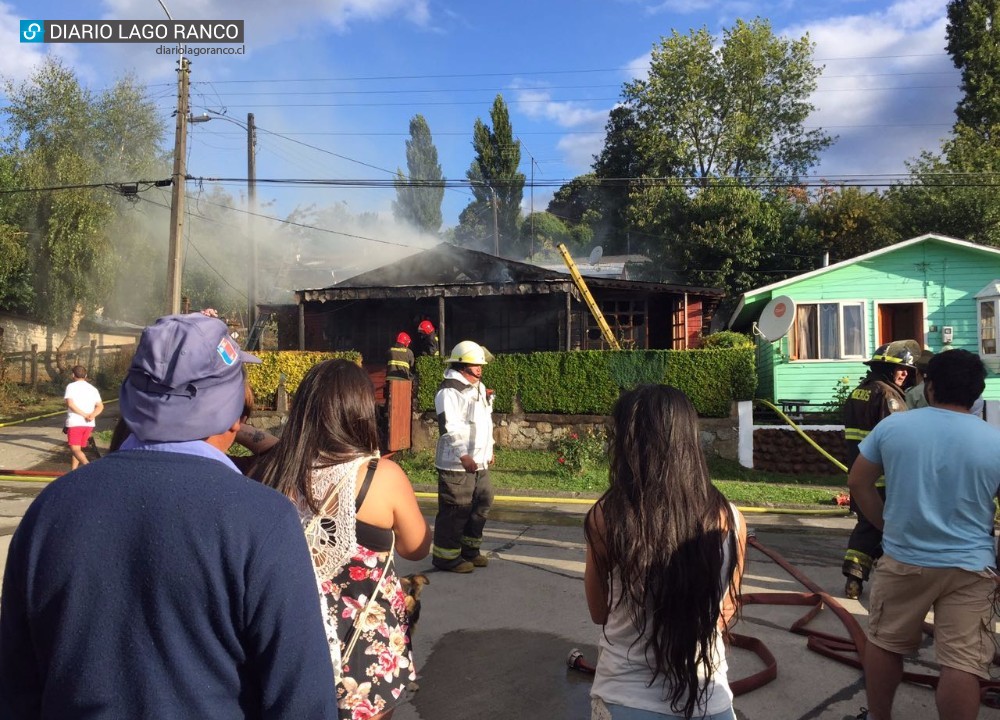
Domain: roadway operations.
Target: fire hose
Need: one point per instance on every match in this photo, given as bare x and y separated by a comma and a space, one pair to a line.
847, 650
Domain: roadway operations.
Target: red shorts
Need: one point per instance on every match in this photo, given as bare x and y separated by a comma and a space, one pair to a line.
78, 436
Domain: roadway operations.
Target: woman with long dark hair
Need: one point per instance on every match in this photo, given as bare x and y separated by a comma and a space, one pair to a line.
664, 561
356, 509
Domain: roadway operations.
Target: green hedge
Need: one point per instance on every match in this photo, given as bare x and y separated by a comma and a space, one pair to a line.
589, 382
293, 363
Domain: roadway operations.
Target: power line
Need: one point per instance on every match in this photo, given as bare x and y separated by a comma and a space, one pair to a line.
979, 179
516, 73
535, 101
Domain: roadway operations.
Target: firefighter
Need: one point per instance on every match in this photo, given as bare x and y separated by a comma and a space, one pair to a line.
400, 359
427, 339
464, 410
881, 393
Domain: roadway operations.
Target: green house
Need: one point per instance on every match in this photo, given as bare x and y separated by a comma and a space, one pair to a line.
814, 329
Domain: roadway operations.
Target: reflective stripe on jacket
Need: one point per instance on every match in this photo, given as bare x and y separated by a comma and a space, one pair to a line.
400, 362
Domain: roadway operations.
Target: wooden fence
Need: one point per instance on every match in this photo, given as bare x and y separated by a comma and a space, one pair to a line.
33, 366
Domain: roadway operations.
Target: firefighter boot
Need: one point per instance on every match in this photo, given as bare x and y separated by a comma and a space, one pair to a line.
853, 588
462, 566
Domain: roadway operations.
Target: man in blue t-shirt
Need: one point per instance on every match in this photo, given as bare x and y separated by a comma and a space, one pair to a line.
942, 473
159, 582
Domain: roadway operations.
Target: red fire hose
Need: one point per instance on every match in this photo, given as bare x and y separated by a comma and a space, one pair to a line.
847, 650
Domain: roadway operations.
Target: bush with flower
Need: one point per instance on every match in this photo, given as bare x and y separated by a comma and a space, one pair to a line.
576, 451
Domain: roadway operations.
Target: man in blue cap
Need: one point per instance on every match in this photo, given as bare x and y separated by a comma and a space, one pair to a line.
159, 582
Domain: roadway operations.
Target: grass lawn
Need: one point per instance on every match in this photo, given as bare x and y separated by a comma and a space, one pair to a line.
535, 471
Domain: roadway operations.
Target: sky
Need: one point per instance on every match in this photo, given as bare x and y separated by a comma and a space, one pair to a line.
333, 84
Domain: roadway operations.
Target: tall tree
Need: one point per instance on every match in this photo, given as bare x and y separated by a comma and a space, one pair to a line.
731, 109
495, 178
953, 192
61, 135
617, 166
974, 45
418, 193
16, 292
846, 222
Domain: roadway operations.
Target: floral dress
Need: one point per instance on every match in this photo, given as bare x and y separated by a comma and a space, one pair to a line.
374, 673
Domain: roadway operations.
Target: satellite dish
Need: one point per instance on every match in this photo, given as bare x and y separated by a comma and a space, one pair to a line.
776, 319
595, 255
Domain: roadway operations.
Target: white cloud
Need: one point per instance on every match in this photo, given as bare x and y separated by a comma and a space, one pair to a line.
888, 89
19, 60
579, 150
268, 22
537, 103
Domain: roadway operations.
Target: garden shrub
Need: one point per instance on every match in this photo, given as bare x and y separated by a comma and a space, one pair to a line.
293, 364
589, 382
575, 453
726, 339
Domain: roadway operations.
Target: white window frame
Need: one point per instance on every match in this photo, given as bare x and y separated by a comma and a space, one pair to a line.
989, 294
840, 303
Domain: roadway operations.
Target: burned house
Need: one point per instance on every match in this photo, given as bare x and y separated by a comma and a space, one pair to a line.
506, 305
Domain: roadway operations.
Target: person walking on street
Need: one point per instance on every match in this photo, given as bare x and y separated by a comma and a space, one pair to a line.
427, 339
942, 476
881, 393
400, 364
83, 405
464, 410
159, 582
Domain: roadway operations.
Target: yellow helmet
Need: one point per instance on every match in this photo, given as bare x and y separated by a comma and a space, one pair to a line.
468, 352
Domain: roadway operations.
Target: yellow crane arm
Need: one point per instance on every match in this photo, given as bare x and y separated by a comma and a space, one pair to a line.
609, 336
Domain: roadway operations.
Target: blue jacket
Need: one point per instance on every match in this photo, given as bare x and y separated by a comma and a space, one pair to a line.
161, 585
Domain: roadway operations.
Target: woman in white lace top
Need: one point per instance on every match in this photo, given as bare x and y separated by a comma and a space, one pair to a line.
356, 508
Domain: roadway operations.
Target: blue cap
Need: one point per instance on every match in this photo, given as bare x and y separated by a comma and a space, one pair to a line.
185, 381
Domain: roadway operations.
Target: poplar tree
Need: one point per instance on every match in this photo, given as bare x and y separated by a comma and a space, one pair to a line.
419, 192
494, 175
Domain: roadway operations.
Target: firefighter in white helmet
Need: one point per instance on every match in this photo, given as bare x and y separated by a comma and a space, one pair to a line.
464, 410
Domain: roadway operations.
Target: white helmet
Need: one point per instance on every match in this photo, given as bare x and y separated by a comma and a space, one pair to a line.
468, 352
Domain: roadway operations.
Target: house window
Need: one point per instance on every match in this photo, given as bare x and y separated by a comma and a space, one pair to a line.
627, 320
988, 327
828, 331
987, 309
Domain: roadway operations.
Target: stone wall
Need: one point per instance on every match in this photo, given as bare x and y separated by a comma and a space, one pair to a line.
782, 450
536, 431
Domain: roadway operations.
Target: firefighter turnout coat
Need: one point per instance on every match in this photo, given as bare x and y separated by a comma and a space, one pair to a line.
400, 363
870, 402
465, 420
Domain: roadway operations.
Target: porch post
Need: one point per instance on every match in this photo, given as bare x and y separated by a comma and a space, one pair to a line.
569, 321
441, 341
302, 326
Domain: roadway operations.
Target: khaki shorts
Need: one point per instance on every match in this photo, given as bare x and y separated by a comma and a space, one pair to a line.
902, 595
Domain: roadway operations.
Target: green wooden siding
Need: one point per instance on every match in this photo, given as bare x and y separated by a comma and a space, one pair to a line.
944, 276
765, 369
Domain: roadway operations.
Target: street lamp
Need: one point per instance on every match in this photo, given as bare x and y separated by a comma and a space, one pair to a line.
251, 129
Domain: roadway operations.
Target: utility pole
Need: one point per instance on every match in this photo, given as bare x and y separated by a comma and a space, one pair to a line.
178, 179
496, 229
251, 219
531, 214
